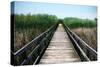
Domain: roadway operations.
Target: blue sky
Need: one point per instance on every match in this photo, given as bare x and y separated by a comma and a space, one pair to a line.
60, 10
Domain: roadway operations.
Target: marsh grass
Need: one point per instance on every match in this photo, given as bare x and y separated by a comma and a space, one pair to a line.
27, 27
84, 28
77, 22
89, 35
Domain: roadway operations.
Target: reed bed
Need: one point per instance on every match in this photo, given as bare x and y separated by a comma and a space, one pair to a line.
77, 22
27, 27
89, 35
84, 28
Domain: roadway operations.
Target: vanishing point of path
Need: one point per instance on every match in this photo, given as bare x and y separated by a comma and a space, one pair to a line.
60, 49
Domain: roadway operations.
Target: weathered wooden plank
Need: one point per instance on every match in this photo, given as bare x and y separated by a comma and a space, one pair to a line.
54, 61
60, 49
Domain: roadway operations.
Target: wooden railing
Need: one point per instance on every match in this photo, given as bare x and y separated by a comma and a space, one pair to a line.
85, 52
32, 52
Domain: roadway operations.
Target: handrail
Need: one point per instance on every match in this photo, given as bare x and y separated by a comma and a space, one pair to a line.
32, 52
25, 47
85, 52
34, 49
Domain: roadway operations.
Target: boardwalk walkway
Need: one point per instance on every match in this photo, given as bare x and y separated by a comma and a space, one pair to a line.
60, 49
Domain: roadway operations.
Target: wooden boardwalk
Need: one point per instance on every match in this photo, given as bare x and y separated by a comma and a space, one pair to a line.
60, 49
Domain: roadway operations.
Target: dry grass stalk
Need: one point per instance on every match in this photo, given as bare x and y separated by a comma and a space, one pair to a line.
89, 35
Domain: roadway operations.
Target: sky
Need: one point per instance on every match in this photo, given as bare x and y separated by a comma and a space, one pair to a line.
60, 10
